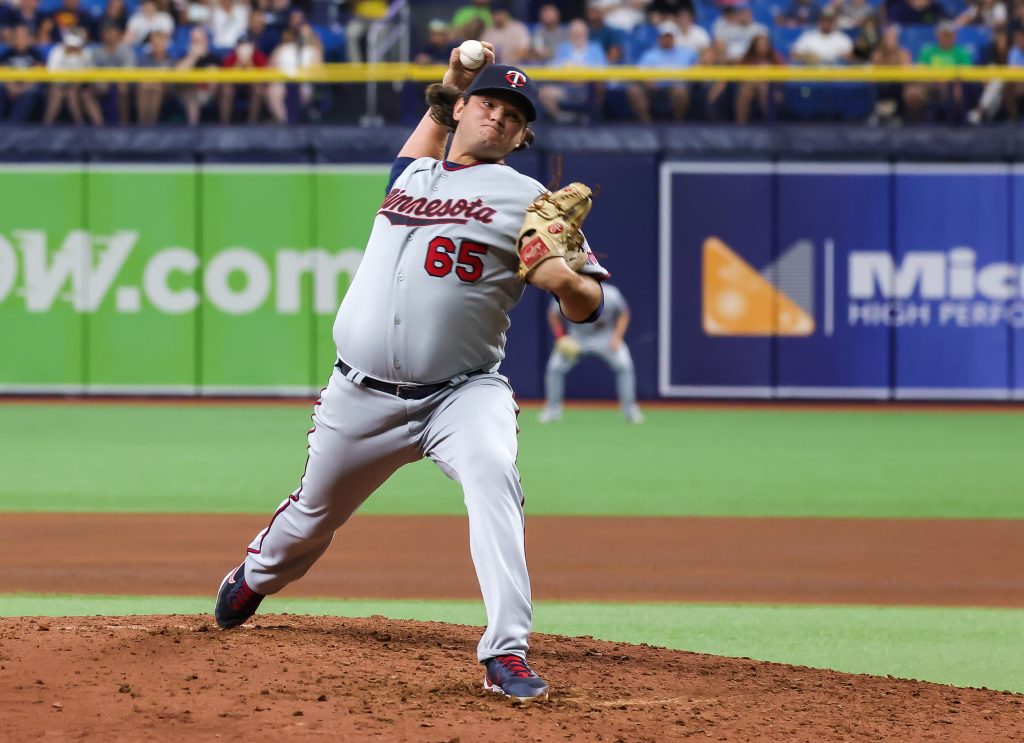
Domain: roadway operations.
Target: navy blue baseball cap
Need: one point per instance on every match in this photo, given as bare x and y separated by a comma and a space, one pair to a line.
508, 79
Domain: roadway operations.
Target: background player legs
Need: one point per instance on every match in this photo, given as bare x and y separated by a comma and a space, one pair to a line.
621, 362
472, 438
554, 386
359, 439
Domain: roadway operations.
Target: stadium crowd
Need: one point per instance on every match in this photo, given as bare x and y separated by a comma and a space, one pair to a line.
681, 33
184, 34
162, 34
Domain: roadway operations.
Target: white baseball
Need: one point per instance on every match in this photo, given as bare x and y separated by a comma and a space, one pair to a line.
471, 54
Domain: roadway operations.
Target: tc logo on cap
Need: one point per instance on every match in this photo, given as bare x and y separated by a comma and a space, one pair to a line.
515, 78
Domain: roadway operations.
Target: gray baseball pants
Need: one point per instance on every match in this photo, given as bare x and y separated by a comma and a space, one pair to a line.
360, 437
620, 362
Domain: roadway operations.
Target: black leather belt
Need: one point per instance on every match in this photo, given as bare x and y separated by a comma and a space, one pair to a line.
404, 391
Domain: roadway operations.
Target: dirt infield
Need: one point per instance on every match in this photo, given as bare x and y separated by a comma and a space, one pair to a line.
286, 677
859, 561
297, 678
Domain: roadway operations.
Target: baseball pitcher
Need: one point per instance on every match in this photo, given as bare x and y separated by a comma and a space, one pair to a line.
420, 335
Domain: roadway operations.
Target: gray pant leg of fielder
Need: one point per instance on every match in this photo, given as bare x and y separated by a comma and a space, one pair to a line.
471, 436
358, 440
621, 362
554, 380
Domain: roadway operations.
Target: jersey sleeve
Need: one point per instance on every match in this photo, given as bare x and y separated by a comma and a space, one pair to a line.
397, 169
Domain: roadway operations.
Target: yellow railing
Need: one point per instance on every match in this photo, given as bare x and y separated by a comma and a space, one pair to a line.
403, 72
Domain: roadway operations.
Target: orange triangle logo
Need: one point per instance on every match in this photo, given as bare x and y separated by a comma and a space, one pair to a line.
739, 301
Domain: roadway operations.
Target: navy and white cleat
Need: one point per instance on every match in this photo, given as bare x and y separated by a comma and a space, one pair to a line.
509, 675
236, 602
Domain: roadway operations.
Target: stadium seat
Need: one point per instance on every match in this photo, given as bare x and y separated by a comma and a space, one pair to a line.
616, 106
803, 101
828, 101
333, 39
707, 15
855, 101
94, 7
638, 41
783, 39
914, 38
179, 42
976, 40
764, 11
954, 7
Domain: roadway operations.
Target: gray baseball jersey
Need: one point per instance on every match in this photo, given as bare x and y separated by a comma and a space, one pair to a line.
432, 294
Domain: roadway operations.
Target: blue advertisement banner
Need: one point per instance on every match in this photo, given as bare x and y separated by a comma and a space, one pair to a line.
951, 280
825, 214
716, 232
841, 280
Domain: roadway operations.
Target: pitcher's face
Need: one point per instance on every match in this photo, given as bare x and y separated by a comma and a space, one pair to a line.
490, 126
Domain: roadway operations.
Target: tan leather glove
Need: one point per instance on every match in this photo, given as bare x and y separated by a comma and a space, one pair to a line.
551, 229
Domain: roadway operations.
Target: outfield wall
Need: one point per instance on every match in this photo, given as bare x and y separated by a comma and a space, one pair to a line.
874, 280
752, 278
175, 279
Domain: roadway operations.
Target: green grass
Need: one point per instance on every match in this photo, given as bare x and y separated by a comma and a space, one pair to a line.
245, 459
963, 647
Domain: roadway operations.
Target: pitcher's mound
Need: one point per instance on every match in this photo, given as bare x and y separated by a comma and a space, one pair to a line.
178, 678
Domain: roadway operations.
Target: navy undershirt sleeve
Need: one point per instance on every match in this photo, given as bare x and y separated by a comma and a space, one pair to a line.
593, 315
596, 313
397, 169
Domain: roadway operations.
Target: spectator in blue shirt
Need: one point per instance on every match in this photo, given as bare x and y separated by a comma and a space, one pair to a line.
25, 13
577, 51
667, 55
1015, 57
609, 38
22, 98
